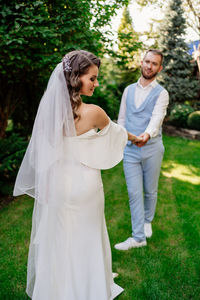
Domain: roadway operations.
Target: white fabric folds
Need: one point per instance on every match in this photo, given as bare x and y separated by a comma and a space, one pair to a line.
69, 253
103, 149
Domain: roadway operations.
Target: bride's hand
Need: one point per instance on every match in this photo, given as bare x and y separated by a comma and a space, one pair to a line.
133, 138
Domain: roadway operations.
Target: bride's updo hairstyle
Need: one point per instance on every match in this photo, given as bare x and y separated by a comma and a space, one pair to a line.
75, 64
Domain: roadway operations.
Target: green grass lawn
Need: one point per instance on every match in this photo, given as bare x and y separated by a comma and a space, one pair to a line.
168, 268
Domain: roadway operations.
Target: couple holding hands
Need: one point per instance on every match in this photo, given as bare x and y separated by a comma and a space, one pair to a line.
69, 253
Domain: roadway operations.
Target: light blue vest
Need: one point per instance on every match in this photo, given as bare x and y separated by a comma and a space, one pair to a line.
137, 119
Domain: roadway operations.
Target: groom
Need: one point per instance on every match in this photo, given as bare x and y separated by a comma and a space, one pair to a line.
142, 110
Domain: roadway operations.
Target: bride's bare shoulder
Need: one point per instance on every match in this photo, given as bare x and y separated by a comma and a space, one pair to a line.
92, 109
96, 115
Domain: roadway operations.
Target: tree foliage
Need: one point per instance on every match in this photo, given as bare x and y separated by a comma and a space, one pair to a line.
149, 2
34, 35
128, 58
177, 76
191, 8
12, 152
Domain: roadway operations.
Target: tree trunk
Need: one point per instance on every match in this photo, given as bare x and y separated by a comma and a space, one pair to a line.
3, 124
6, 109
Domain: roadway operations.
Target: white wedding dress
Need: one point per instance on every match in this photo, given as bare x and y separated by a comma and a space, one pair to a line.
70, 255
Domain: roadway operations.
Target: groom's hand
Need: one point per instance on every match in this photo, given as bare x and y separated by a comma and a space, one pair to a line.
145, 137
133, 138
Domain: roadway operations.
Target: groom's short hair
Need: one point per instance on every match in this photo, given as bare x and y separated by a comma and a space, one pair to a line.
156, 52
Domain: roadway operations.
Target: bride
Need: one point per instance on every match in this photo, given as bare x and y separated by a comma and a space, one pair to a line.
69, 254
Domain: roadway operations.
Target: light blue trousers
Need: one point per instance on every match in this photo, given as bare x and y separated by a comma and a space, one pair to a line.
142, 170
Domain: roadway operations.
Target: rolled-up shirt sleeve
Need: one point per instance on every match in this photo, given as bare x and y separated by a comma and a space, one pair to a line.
158, 114
122, 111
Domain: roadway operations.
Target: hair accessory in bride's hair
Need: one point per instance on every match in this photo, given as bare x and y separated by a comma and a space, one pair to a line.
66, 61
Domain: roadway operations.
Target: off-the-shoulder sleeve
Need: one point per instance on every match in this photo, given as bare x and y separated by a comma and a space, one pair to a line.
103, 149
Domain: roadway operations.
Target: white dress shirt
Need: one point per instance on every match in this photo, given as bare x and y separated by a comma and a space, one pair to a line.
159, 110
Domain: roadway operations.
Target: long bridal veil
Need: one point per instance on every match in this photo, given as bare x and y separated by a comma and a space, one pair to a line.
54, 122
48, 173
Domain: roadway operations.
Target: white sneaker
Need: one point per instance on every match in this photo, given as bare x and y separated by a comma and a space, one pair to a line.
130, 243
147, 230
114, 275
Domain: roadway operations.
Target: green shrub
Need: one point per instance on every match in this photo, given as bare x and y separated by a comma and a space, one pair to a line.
11, 154
10, 126
194, 103
179, 114
193, 120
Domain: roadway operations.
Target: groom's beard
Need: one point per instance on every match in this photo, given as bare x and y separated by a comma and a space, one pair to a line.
150, 76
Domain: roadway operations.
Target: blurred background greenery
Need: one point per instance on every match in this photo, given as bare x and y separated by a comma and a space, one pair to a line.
34, 36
